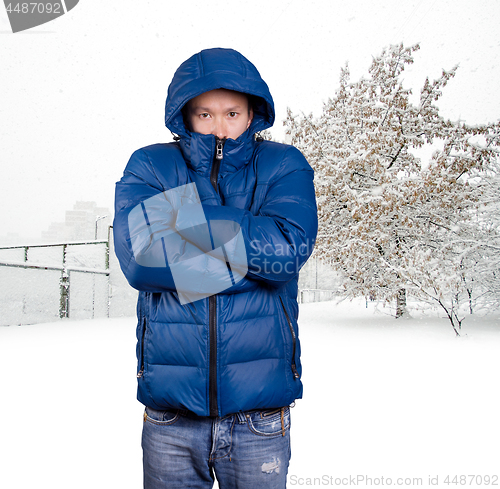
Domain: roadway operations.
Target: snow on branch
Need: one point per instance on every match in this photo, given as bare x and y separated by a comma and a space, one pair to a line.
390, 221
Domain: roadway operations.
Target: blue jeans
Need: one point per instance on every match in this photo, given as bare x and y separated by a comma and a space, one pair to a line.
245, 450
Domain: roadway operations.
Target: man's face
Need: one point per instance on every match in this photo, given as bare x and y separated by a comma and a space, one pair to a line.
223, 113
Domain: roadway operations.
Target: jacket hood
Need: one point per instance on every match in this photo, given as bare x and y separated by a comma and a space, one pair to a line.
215, 68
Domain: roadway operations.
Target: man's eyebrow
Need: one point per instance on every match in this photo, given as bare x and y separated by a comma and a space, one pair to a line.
198, 108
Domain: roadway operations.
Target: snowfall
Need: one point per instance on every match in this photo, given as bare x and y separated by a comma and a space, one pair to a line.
386, 402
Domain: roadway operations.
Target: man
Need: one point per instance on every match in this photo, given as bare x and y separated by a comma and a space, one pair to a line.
212, 230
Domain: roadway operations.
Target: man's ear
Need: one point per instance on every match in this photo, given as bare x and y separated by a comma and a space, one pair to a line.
250, 115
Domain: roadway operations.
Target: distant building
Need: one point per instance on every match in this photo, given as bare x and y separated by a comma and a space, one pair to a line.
85, 221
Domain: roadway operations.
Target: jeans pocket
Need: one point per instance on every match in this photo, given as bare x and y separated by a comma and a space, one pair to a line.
273, 422
165, 417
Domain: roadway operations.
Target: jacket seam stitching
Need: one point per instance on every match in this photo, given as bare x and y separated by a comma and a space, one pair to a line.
153, 169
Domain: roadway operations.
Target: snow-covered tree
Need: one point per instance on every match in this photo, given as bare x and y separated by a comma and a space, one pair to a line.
478, 238
388, 223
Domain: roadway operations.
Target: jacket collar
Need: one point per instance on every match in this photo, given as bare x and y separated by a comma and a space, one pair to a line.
199, 152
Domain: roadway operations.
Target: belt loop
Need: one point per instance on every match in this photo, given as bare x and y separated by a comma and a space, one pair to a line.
283, 421
241, 417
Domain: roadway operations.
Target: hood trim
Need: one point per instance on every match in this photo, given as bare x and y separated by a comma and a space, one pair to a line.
208, 70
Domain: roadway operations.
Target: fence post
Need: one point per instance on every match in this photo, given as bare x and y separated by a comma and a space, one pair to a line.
108, 243
64, 287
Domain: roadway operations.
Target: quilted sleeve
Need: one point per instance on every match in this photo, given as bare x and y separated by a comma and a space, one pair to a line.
163, 240
281, 237
140, 183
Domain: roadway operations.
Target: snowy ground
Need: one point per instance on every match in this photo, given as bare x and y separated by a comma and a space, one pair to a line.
383, 398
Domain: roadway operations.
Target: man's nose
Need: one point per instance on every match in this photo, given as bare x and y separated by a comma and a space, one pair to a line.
220, 129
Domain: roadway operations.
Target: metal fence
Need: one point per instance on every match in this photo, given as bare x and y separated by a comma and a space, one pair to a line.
83, 280
64, 269
37, 281
315, 295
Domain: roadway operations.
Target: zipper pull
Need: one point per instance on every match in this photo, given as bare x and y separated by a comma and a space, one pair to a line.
218, 149
140, 374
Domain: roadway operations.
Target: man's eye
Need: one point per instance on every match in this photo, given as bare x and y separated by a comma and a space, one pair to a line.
232, 114
205, 115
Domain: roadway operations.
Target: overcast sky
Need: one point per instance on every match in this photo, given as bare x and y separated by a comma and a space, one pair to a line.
80, 94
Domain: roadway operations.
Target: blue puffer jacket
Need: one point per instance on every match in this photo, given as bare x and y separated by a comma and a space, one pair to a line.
236, 350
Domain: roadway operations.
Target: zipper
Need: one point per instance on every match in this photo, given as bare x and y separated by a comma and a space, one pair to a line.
141, 371
212, 383
214, 173
218, 148
294, 340
212, 301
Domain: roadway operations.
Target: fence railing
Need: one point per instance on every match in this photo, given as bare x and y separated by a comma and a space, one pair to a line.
82, 284
315, 295
64, 267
